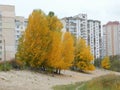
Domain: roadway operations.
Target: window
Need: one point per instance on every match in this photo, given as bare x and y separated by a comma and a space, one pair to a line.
17, 31
0, 41
17, 36
17, 26
25, 23
0, 47
17, 22
0, 35
0, 24
0, 15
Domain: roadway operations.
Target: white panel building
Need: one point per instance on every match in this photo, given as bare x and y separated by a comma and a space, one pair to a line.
90, 30
95, 37
77, 25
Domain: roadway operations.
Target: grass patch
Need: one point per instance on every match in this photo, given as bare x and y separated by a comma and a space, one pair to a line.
107, 82
67, 87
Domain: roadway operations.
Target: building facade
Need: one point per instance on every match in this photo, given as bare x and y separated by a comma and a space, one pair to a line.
111, 38
11, 28
7, 32
90, 30
95, 37
20, 26
77, 25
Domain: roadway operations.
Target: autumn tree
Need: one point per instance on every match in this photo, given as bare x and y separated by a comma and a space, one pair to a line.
20, 55
83, 56
68, 50
44, 45
105, 63
54, 58
36, 39
54, 23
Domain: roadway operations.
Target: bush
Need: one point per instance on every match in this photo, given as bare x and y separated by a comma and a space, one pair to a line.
115, 63
5, 66
97, 62
105, 63
12, 64
16, 64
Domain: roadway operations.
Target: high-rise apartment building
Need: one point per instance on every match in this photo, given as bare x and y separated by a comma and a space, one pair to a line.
95, 37
77, 25
111, 38
90, 30
7, 32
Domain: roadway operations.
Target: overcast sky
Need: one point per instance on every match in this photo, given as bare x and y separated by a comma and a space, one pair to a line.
103, 10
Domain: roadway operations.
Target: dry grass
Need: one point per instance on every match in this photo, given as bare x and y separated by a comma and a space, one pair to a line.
107, 82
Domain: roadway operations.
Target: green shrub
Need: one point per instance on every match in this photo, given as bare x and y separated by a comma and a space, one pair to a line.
115, 63
97, 62
5, 66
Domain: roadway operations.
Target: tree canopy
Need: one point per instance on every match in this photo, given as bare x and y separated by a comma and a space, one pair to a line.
83, 56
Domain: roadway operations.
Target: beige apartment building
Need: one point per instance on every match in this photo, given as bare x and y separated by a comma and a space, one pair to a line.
111, 38
7, 32
11, 29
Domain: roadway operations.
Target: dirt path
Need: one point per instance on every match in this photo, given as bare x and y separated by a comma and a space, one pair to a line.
26, 80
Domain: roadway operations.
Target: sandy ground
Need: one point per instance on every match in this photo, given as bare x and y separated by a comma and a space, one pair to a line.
27, 80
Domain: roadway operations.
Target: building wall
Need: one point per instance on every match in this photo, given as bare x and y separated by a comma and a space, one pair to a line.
95, 37
77, 25
0, 35
20, 26
90, 30
111, 32
7, 31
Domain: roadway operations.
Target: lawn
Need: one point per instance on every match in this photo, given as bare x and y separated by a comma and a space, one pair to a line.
107, 82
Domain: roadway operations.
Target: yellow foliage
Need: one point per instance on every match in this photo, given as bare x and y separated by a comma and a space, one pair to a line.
91, 67
54, 23
82, 65
61, 52
68, 50
43, 45
83, 56
33, 46
20, 55
54, 55
105, 63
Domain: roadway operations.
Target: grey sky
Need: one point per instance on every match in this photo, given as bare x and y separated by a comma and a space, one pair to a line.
103, 10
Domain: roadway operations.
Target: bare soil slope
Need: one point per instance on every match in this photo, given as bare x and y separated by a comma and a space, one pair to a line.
27, 80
